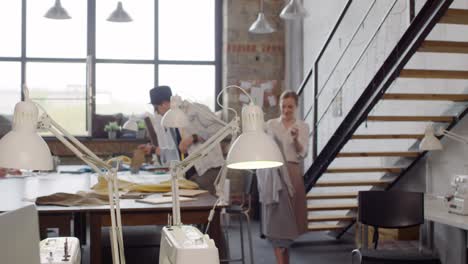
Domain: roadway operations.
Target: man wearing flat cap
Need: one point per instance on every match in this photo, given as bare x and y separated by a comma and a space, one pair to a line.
187, 140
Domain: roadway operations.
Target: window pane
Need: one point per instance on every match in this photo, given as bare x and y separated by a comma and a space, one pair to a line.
10, 85
133, 40
61, 89
186, 29
193, 82
10, 93
56, 38
123, 88
10, 19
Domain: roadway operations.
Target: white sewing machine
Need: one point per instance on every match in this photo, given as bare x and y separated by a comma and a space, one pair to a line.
60, 250
457, 201
186, 244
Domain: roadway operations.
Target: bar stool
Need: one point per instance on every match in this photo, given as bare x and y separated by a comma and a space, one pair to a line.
242, 210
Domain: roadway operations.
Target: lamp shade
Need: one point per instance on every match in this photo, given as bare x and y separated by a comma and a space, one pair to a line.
430, 142
261, 25
175, 117
22, 147
293, 10
119, 15
253, 149
57, 12
131, 124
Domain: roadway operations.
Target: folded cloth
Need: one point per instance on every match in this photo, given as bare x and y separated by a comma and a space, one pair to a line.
269, 181
101, 186
269, 184
69, 199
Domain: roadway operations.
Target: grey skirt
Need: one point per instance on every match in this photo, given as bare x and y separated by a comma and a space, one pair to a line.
284, 221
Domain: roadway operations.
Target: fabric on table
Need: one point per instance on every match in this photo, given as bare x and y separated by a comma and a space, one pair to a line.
99, 194
101, 186
69, 199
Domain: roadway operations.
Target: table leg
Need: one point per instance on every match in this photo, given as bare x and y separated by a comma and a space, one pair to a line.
95, 239
430, 235
463, 258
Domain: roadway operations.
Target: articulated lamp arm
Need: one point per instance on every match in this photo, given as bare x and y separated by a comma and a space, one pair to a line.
91, 159
178, 169
453, 136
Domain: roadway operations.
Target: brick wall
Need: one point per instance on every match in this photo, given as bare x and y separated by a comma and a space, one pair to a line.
253, 61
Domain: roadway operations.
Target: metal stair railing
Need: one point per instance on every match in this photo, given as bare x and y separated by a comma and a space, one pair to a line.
417, 31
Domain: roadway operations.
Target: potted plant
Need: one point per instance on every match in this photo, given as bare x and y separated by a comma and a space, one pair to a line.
111, 128
140, 134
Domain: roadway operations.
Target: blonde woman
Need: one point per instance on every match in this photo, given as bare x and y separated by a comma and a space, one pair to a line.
282, 191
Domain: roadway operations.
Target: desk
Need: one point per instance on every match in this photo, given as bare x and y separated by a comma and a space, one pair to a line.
435, 211
14, 190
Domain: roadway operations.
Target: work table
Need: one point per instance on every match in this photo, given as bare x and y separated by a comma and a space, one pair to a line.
435, 210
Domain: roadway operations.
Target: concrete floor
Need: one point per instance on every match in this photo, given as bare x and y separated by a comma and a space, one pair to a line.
142, 246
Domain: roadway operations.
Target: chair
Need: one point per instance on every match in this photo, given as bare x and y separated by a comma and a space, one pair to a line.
242, 210
391, 209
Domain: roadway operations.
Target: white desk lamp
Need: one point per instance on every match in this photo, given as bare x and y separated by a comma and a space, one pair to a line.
456, 201
253, 149
23, 148
431, 142
131, 124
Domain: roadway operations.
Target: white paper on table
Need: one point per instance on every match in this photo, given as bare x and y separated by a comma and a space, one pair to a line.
272, 100
243, 98
257, 96
159, 199
267, 86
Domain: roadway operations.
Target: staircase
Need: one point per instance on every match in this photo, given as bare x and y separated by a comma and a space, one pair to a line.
376, 141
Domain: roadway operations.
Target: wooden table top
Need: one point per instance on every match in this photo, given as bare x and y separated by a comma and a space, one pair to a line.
16, 192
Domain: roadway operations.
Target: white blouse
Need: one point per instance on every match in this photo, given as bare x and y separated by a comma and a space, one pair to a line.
276, 128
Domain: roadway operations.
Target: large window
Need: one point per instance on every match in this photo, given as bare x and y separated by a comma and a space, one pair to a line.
169, 42
10, 19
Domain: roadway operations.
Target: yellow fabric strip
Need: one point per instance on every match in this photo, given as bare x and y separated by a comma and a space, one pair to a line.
165, 186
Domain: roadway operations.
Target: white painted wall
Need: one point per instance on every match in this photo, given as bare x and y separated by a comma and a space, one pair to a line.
443, 165
293, 54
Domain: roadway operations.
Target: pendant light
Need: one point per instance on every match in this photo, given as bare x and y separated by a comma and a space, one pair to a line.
119, 15
57, 12
261, 25
293, 10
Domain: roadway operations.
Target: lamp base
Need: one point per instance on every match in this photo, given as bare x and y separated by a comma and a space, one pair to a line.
186, 244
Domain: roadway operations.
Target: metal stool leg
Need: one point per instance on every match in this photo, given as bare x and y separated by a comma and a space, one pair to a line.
247, 218
241, 238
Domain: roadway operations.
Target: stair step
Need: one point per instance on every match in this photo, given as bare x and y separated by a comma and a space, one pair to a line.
434, 74
389, 136
455, 16
353, 170
324, 227
331, 207
324, 218
378, 154
352, 183
426, 97
444, 46
340, 195
446, 119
